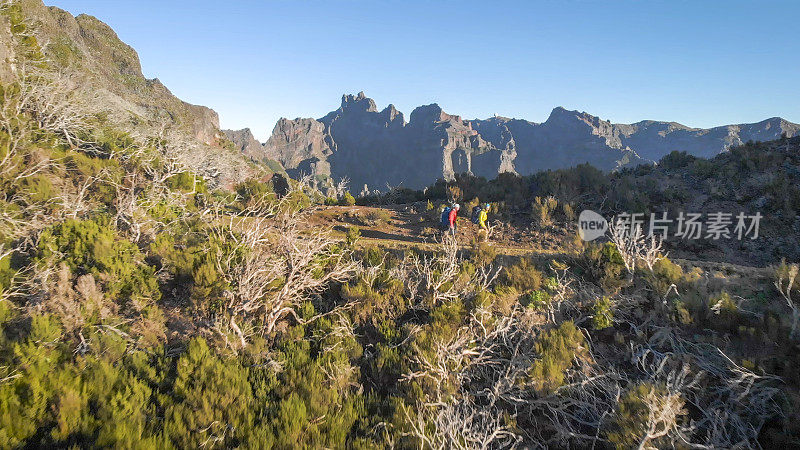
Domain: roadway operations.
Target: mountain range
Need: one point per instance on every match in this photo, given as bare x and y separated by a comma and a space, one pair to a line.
378, 148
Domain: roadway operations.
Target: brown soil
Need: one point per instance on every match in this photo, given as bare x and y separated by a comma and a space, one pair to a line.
413, 226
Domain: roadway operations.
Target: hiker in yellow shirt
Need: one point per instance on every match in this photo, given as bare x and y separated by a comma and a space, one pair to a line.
480, 217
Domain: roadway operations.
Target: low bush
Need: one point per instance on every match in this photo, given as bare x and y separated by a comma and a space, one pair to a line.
677, 160
542, 210
723, 312
602, 314
352, 235
347, 199
557, 349
522, 276
252, 190
374, 217
606, 266
537, 300
631, 423
665, 274
186, 182
483, 254
93, 247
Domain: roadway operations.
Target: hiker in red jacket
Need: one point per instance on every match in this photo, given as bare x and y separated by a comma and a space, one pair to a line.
452, 218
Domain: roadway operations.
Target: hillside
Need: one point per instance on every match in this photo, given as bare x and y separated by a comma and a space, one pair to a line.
379, 148
108, 75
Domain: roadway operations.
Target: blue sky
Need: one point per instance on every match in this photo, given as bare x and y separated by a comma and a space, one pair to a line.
701, 63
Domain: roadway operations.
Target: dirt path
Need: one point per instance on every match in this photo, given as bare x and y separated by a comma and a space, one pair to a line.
411, 226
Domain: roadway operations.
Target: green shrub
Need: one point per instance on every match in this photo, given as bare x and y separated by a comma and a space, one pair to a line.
111, 141
676, 160
347, 199
569, 213
682, 313
723, 311
303, 394
606, 266
252, 190
602, 314
24, 399
186, 182
38, 188
353, 233
542, 210
103, 398
64, 52
483, 254
374, 217
208, 285
92, 247
373, 256
550, 283
212, 400
6, 273
630, 422
177, 252
557, 349
29, 47
80, 167
523, 276
703, 168
665, 273
536, 300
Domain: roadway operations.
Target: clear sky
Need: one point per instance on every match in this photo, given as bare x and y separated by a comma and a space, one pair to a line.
702, 63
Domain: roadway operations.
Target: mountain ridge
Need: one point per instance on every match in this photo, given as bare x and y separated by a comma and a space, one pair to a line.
379, 148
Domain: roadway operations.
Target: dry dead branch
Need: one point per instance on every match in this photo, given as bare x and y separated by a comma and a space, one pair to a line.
785, 276
633, 246
276, 260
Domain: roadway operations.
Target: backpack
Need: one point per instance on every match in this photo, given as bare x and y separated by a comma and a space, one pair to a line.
476, 214
446, 217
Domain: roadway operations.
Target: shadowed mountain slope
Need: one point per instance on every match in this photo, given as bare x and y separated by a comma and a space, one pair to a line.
379, 148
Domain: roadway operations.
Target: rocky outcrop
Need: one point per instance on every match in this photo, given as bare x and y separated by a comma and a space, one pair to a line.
379, 149
246, 143
300, 145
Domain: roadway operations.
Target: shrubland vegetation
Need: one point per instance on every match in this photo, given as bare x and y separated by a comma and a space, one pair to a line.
141, 309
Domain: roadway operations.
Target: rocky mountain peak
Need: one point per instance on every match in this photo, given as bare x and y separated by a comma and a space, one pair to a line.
427, 114
392, 117
246, 142
561, 114
358, 102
